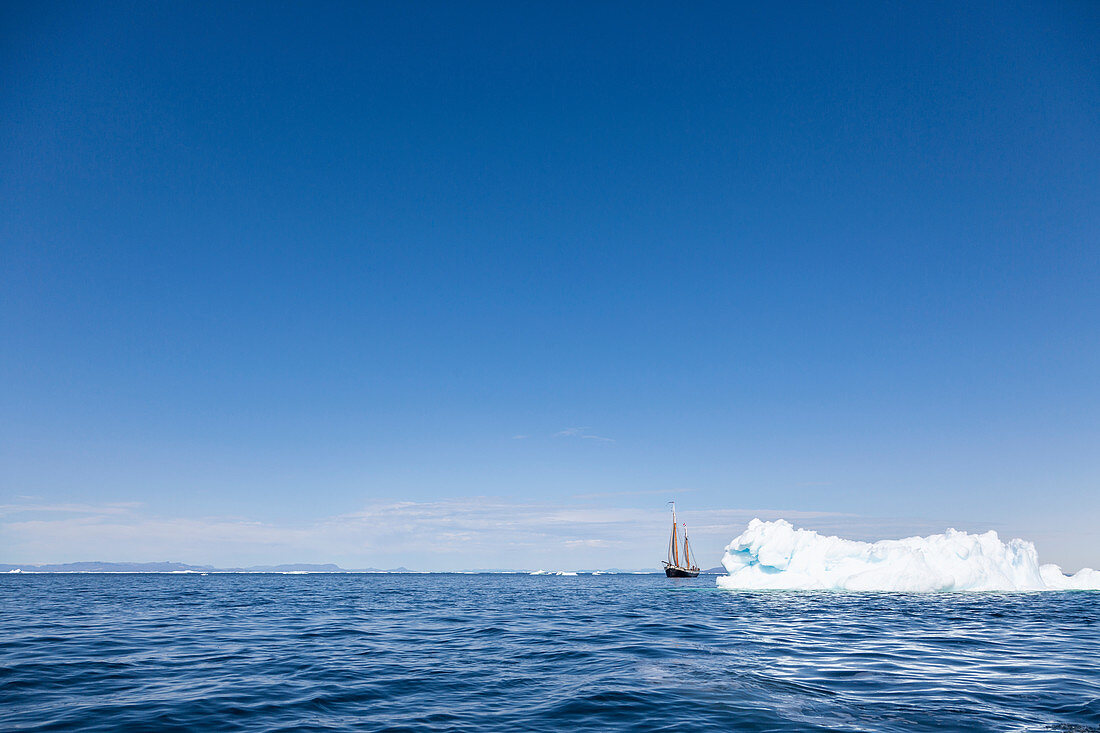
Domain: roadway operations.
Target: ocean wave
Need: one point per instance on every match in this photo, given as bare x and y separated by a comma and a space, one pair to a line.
775, 555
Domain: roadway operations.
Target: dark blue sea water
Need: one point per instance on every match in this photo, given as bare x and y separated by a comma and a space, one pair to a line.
499, 652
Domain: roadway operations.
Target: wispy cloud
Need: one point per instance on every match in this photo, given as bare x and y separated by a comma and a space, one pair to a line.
589, 543
447, 534
583, 434
125, 507
614, 494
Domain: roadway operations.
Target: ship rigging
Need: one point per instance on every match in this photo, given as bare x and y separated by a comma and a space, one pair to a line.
677, 566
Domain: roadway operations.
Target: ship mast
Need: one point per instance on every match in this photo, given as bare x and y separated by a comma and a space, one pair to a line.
678, 566
675, 548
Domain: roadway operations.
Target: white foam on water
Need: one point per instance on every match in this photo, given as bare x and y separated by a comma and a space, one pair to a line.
775, 555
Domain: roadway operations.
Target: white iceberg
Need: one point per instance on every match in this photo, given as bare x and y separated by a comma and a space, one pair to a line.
775, 555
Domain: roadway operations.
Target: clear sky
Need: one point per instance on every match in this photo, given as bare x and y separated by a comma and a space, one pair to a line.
454, 285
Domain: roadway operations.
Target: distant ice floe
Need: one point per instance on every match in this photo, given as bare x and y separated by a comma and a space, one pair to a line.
775, 555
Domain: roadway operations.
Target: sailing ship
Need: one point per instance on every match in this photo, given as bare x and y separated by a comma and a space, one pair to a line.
674, 568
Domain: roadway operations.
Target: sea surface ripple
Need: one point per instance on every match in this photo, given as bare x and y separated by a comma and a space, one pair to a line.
509, 652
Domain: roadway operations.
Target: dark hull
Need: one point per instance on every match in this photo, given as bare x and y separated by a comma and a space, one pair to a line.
671, 572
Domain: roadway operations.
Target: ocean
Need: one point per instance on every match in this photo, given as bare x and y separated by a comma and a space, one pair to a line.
150, 652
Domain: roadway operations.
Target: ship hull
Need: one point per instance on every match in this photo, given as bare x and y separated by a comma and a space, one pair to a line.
680, 573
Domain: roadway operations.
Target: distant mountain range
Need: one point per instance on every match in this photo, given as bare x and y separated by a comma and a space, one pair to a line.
179, 567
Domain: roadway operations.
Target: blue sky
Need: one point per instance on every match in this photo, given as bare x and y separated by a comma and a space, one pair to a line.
271, 269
